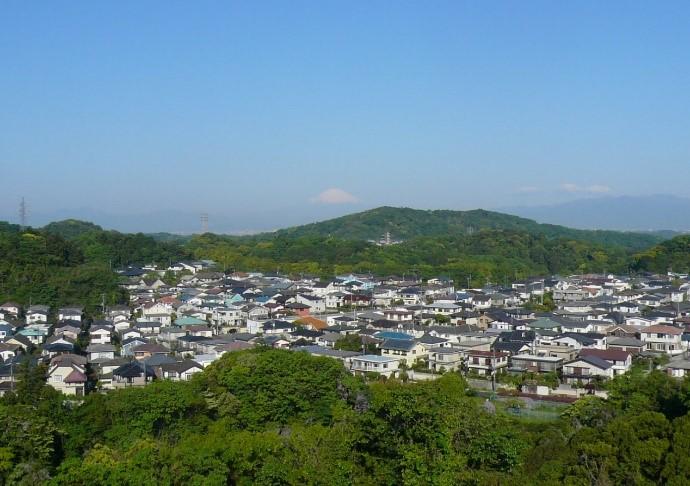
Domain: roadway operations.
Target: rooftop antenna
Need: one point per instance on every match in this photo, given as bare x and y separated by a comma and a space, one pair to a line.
204, 223
22, 213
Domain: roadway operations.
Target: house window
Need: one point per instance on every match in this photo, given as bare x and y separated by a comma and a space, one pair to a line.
57, 378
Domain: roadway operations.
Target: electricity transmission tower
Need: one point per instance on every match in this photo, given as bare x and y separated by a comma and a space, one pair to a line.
23, 212
204, 223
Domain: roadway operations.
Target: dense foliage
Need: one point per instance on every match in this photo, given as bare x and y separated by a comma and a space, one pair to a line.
406, 223
38, 267
673, 254
71, 228
72, 262
115, 248
280, 417
494, 255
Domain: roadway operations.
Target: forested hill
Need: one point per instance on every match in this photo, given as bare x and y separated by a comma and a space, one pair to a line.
71, 262
42, 268
406, 223
71, 228
673, 254
493, 255
115, 248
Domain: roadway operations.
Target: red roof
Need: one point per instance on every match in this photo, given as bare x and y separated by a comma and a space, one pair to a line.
662, 329
75, 376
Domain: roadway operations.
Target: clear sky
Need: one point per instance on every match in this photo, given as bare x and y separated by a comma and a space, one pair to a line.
261, 113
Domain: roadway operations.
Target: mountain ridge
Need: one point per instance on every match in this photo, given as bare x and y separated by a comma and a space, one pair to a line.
618, 213
406, 223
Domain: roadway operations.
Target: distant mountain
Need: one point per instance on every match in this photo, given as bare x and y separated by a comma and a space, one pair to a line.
406, 223
630, 213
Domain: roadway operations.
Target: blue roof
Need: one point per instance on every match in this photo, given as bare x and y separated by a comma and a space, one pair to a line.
188, 321
393, 335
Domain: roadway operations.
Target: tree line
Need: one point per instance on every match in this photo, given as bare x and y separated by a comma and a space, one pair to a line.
279, 417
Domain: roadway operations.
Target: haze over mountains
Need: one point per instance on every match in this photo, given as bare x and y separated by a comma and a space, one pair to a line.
625, 213
630, 213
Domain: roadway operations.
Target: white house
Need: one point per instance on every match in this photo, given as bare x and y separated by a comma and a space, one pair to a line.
67, 374
585, 368
662, 339
371, 363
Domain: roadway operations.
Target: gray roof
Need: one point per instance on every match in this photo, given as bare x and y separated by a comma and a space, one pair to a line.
398, 344
323, 351
624, 341
428, 339
594, 360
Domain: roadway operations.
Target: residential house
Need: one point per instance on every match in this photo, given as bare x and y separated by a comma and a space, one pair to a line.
9, 351
486, 362
68, 330
585, 369
317, 305
149, 328
100, 334
344, 356
128, 345
406, 350
100, 352
620, 361
130, 333
36, 333
678, 366
37, 313
631, 345
132, 374
144, 351
180, 371
523, 363
67, 374
70, 313
445, 359
10, 308
661, 338
370, 363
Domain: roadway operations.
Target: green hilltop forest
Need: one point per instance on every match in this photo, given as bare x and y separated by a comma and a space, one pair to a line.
492, 254
406, 223
671, 254
482, 244
71, 263
267, 417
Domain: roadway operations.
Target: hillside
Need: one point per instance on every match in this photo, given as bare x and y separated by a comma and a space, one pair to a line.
673, 254
71, 228
406, 223
115, 248
71, 262
486, 255
44, 268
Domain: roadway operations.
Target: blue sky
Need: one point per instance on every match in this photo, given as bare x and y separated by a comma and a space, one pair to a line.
290, 111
